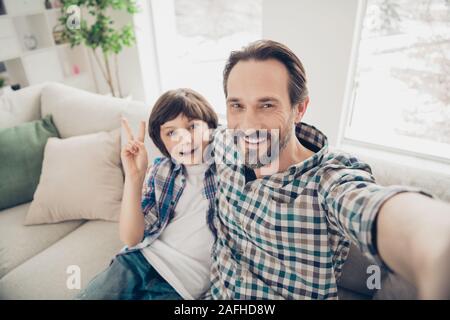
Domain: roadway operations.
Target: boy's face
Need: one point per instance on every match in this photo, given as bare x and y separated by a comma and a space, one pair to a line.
185, 139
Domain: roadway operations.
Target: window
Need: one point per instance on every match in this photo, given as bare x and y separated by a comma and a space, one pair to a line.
401, 90
195, 37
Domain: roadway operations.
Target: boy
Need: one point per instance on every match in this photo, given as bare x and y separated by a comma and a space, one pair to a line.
167, 232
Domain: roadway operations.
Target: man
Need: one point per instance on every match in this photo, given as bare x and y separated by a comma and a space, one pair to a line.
284, 230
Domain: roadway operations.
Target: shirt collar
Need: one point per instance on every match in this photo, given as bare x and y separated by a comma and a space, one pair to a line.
179, 167
311, 138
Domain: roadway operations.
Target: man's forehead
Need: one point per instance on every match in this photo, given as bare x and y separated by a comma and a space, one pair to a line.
257, 79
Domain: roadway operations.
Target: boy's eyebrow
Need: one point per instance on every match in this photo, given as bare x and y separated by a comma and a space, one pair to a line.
174, 127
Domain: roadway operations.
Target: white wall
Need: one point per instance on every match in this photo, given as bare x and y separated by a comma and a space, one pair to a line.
320, 32
138, 68
129, 69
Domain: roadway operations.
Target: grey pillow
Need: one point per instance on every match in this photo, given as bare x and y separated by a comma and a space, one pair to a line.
21, 154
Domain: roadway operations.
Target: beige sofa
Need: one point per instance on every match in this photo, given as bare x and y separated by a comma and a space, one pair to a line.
34, 259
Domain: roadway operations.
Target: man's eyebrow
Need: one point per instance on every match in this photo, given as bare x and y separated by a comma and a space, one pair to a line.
260, 100
268, 99
233, 99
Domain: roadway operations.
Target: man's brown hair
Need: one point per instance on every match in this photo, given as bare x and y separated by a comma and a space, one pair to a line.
174, 102
263, 50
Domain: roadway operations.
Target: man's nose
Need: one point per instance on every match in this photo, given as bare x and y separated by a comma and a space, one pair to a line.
249, 122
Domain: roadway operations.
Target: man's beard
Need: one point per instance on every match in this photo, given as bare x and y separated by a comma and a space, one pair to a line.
255, 158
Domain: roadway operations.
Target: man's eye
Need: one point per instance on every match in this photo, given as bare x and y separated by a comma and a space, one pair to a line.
236, 106
267, 105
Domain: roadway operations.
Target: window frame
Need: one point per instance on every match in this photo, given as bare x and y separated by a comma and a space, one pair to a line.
347, 140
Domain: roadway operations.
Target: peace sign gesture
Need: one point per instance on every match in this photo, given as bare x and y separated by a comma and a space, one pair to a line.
134, 154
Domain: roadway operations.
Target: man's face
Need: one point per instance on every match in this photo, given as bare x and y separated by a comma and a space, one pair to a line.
259, 108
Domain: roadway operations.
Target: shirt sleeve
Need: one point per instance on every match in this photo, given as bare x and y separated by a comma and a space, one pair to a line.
352, 200
148, 201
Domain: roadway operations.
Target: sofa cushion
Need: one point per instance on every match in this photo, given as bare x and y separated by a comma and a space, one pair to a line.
81, 178
393, 172
354, 273
393, 287
76, 112
20, 106
354, 280
345, 294
21, 154
90, 247
19, 243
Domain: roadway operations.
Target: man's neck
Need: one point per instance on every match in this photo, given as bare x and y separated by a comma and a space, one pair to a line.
293, 153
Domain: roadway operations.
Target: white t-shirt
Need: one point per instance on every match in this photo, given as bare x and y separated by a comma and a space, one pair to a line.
182, 253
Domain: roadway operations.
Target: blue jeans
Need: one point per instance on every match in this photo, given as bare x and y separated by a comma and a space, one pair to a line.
129, 277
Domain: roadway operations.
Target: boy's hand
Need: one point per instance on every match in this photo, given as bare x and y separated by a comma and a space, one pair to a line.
133, 154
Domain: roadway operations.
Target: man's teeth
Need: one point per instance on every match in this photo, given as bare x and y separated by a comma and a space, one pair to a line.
255, 140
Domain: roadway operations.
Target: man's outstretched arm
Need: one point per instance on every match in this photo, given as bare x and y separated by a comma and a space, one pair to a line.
400, 227
413, 239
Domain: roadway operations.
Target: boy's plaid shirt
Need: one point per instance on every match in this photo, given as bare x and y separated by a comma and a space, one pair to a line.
164, 183
287, 236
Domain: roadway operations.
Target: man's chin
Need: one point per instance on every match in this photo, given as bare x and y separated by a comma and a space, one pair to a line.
255, 159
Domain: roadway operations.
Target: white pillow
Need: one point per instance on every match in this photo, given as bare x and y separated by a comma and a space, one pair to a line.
20, 106
81, 178
76, 112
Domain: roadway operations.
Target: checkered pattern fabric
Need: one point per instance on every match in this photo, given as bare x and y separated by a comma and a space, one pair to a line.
287, 236
164, 184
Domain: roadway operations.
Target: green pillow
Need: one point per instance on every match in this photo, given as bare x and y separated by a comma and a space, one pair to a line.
21, 156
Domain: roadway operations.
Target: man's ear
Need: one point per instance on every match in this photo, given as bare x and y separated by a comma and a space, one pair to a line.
300, 110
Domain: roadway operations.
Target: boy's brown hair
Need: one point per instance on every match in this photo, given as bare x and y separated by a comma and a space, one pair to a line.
174, 102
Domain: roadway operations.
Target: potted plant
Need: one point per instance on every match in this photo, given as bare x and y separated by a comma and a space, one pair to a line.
99, 33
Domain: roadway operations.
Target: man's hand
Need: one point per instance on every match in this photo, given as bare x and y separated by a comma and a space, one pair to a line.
134, 155
413, 238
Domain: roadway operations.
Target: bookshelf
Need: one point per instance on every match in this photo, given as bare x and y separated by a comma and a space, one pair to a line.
31, 52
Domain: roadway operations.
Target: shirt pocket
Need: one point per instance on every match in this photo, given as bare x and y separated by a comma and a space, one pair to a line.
290, 227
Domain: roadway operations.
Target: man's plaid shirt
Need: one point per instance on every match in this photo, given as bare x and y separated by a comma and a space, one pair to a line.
287, 236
